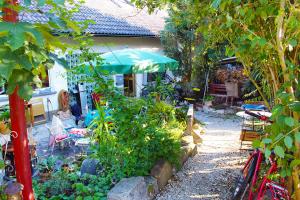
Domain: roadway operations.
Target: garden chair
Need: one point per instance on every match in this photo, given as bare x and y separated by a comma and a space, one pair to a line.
57, 134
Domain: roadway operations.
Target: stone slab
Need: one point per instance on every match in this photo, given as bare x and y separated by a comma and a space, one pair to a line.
162, 171
133, 188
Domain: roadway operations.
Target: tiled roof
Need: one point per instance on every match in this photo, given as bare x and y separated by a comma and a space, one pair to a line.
113, 18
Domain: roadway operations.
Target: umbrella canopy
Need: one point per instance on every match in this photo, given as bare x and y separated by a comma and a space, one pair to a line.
132, 61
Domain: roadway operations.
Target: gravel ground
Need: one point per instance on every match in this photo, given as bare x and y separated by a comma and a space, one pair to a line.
211, 174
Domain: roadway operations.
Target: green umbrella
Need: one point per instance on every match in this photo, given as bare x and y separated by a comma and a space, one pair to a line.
132, 61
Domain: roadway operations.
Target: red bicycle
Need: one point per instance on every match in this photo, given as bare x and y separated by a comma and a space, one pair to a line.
268, 188
248, 180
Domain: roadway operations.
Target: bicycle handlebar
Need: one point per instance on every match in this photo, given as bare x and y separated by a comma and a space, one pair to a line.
258, 116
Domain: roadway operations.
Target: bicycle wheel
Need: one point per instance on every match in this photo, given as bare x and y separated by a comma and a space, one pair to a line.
244, 180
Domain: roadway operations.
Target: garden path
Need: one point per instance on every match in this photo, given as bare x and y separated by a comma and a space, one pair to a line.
211, 173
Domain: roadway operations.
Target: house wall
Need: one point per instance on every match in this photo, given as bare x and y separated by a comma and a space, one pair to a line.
57, 74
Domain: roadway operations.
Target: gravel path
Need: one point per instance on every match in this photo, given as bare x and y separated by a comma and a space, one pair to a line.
211, 174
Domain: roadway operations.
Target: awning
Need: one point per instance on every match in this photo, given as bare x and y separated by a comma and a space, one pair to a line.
133, 61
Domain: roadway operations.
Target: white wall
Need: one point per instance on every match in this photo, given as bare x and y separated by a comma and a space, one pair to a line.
57, 81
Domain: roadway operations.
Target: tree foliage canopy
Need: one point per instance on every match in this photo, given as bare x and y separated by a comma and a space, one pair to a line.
264, 35
25, 47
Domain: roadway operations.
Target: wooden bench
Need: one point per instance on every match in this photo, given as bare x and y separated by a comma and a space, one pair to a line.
218, 90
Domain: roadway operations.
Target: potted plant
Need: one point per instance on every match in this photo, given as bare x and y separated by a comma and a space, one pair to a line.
208, 99
5, 122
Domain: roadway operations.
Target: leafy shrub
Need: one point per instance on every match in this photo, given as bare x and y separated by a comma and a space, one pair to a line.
142, 133
71, 186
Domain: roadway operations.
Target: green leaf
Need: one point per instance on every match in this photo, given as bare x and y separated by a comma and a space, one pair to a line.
277, 110
256, 144
283, 173
266, 141
6, 69
293, 42
2, 165
216, 3
288, 141
262, 41
295, 106
279, 151
289, 121
297, 136
267, 153
36, 35
295, 163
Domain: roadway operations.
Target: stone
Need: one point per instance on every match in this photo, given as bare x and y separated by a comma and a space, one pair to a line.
196, 136
133, 188
185, 140
191, 149
91, 166
184, 155
152, 186
162, 171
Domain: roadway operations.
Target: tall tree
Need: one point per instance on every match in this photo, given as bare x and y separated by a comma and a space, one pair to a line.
264, 36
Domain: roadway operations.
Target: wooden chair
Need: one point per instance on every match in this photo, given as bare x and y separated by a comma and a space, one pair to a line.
38, 110
248, 136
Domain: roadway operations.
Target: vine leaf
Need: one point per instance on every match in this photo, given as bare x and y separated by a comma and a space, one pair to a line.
289, 121
6, 69
279, 151
267, 153
288, 141
266, 141
295, 106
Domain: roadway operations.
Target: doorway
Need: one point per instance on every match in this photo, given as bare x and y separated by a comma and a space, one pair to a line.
129, 85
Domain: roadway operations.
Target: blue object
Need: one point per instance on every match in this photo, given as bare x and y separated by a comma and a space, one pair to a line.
254, 107
91, 115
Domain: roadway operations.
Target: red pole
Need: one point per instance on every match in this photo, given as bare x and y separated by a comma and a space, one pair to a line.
18, 124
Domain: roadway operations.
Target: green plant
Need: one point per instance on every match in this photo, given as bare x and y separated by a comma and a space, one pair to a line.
71, 186
161, 89
181, 114
209, 98
4, 114
47, 164
141, 135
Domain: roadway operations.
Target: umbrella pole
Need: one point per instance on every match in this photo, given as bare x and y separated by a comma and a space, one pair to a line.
18, 123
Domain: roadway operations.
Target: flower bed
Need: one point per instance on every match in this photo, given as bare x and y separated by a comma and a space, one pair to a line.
137, 134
